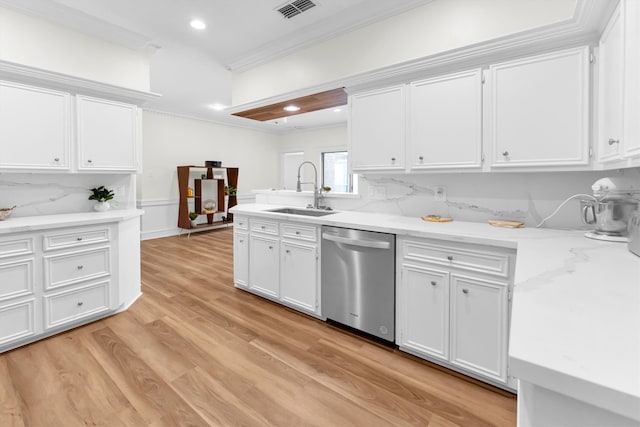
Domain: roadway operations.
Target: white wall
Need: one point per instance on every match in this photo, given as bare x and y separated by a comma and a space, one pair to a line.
37, 43
438, 26
313, 143
170, 141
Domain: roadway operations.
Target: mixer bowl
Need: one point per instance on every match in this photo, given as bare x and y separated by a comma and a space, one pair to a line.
609, 217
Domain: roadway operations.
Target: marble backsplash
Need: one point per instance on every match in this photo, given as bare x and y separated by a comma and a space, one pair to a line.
47, 193
475, 197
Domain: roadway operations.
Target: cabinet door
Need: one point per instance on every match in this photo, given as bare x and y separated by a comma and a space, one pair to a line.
539, 110
479, 326
35, 127
299, 275
445, 122
631, 132
264, 266
241, 259
610, 95
376, 130
423, 311
108, 135
17, 321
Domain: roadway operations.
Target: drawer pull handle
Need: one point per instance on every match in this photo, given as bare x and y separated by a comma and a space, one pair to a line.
465, 291
433, 283
80, 267
79, 239
80, 303
450, 258
613, 141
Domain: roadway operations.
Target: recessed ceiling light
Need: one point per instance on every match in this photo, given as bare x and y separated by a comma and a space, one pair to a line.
291, 108
197, 24
217, 107
337, 110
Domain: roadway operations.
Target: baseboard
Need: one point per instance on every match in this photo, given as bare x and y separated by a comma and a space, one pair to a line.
161, 217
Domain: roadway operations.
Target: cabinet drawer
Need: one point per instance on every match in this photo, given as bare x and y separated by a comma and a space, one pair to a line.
299, 232
14, 246
68, 306
73, 267
240, 222
266, 227
464, 258
16, 278
74, 238
17, 321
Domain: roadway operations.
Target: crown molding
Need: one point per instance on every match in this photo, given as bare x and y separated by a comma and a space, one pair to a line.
37, 76
313, 34
583, 28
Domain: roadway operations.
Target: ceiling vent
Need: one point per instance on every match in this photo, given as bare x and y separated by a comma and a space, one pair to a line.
289, 10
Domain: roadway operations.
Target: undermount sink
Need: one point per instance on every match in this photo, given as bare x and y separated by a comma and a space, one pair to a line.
305, 212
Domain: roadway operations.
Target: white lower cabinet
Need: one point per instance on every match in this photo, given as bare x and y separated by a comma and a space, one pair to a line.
55, 280
423, 295
299, 269
455, 315
241, 258
278, 260
479, 326
264, 262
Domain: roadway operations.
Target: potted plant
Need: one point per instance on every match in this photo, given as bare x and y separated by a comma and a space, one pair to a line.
101, 195
192, 217
326, 188
230, 191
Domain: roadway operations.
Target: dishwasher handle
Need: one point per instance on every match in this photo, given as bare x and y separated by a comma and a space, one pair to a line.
376, 244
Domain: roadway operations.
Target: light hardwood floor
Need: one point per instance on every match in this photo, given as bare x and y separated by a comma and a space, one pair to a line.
195, 351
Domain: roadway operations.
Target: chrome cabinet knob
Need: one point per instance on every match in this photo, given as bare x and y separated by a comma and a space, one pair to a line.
450, 258
421, 158
89, 161
79, 239
262, 227
57, 159
80, 267
270, 247
297, 233
613, 141
393, 159
505, 153
465, 291
288, 251
433, 283
80, 303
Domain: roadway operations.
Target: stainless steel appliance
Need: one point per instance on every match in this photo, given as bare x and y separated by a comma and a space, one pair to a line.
358, 280
615, 200
634, 233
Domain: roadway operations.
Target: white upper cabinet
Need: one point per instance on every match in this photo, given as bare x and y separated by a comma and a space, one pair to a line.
445, 122
610, 92
539, 110
631, 130
35, 128
108, 135
376, 127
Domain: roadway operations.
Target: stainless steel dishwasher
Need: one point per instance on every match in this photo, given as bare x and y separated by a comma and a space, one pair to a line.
358, 280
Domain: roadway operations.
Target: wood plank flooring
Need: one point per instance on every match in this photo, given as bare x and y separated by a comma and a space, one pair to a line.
195, 351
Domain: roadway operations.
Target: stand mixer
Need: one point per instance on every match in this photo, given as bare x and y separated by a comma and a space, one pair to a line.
615, 200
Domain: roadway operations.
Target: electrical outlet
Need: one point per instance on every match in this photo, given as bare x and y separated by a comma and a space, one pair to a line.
440, 193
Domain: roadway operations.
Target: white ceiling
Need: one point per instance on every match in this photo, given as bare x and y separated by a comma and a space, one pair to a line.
192, 69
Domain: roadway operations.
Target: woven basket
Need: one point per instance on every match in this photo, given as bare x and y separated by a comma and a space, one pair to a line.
5, 213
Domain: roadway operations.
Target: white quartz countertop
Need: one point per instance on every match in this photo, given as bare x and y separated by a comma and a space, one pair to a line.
575, 324
44, 222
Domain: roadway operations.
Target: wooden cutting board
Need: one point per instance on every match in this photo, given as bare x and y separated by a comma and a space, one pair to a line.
436, 218
506, 224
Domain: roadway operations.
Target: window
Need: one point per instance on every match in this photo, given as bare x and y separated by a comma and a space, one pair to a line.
335, 172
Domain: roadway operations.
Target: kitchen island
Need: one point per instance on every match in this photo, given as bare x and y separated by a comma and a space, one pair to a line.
575, 321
